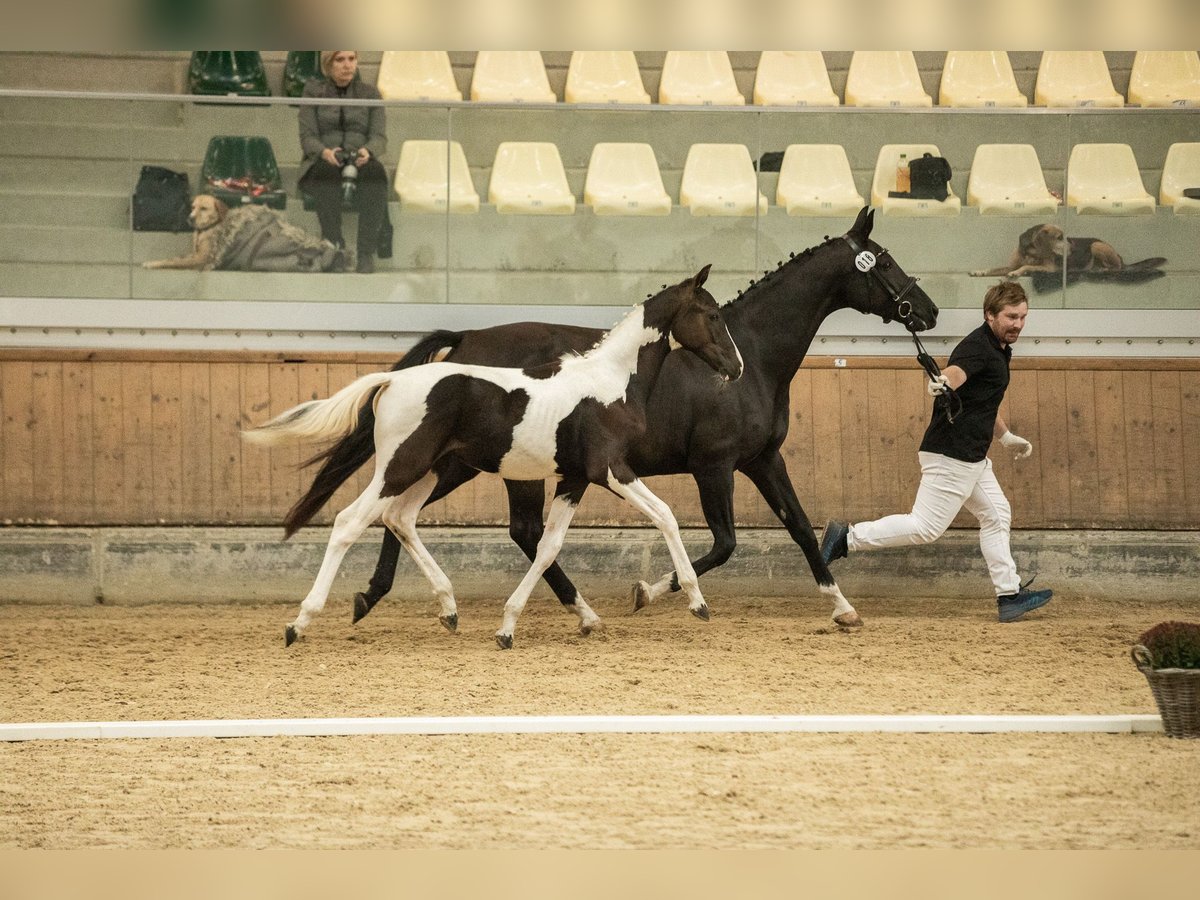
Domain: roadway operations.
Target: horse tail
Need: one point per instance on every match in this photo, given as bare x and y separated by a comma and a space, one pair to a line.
345, 457
319, 419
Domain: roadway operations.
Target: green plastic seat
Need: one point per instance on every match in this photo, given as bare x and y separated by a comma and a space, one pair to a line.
224, 72
301, 65
241, 169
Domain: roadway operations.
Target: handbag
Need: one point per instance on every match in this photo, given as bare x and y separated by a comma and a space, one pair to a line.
161, 200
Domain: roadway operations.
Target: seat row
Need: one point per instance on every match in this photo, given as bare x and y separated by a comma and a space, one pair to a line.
876, 78
814, 180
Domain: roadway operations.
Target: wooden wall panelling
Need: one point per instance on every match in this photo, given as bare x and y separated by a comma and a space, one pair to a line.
166, 407
1111, 477
1082, 463
1189, 383
1139, 448
1169, 493
137, 417
17, 436
197, 453
255, 406
1021, 480
79, 445
828, 496
225, 397
46, 426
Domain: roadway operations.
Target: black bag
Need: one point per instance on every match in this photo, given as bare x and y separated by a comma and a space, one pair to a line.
929, 177
161, 200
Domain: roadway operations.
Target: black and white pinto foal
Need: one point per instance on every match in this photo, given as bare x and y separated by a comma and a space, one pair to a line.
572, 420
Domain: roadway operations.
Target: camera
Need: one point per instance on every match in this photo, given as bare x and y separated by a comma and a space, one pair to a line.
346, 159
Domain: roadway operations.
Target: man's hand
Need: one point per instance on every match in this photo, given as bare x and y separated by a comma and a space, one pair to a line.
937, 386
1020, 447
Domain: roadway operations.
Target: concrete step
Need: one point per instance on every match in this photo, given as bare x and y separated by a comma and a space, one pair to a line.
65, 209
64, 280
134, 114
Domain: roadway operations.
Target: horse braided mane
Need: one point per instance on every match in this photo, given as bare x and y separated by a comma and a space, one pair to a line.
772, 276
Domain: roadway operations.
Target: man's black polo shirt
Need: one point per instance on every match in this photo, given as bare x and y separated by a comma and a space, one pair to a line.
980, 355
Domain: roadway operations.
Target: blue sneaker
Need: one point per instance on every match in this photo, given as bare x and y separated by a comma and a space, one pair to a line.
833, 541
1013, 606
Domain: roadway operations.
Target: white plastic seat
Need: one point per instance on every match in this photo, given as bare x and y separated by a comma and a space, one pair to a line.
973, 78
1181, 170
698, 78
885, 180
528, 177
510, 76
719, 180
421, 178
885, 78
1165, 78
793, 78
623, 180
1104, 178
815, 180
1007, 180
604, 76
1075, 78
417, 75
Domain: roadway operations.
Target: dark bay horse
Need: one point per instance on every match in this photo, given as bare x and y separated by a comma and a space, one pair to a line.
694, 426
574, 419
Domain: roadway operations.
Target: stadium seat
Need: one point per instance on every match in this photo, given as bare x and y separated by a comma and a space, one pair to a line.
973, 78
510, 76
224, 72
239, 169
793, 78
815, 180
421, 178
885, 78
604, 76
529, 178
417, 75
1181, 171
1007, 180
1075, 78
623, 180
698, 78
1165, 78
719, 180
1104, 178
885, 180
301, 65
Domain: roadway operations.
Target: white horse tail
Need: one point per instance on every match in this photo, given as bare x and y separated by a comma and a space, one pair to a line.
319, 419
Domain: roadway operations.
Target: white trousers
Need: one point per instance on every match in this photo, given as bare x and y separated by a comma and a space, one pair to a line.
948, 485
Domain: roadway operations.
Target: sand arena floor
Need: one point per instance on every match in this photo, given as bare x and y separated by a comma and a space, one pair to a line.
756, 656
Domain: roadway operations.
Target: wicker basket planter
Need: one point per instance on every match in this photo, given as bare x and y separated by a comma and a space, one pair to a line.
1176, 693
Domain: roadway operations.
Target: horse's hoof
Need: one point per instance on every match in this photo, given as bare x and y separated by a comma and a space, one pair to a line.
504, 641
641, 595
289, 636
450, 622
848, 620
586, 628
362, 606
700, 612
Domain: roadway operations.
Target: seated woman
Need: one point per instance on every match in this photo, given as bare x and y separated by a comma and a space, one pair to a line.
360, 132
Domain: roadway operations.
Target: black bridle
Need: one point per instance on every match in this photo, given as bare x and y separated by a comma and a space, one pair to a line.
866, 262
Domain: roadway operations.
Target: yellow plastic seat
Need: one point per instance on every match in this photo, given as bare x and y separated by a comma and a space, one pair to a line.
1075, 78
815, 180
1104, 179
793, 78
623, 180
698, 78
604, 76
1007, 180
1165, 78
1181, 170
510, 76
974, 78
416, 75
528, 177
719, 180
885, 78
885, 180
421, 178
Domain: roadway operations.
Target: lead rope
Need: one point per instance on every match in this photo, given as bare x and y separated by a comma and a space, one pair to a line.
949, 399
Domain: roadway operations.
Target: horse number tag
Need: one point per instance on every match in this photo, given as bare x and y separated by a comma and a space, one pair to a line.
865, 261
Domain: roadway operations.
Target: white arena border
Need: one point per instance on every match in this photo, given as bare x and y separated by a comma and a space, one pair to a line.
682, 724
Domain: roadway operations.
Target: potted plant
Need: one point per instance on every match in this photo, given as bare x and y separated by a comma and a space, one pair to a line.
1169, 656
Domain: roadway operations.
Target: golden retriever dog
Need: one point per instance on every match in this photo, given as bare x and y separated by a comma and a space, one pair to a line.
207, 214
1043, 248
